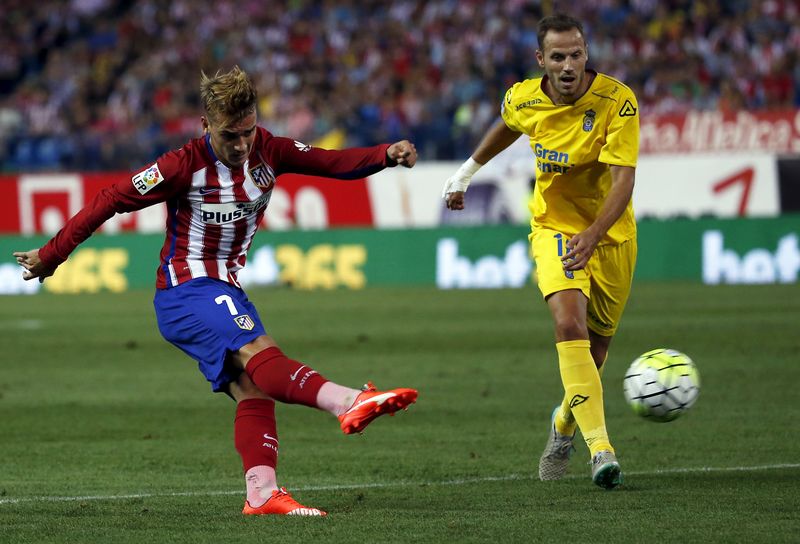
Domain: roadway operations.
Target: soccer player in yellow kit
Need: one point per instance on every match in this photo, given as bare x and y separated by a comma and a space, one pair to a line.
584, 131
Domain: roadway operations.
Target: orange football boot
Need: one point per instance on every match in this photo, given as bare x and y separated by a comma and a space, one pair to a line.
281, 503
371, 403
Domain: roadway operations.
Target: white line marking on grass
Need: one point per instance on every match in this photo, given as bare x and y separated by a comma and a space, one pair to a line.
22, 325
378, 485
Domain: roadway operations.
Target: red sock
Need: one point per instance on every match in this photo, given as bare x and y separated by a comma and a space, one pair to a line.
284, 379
255, 434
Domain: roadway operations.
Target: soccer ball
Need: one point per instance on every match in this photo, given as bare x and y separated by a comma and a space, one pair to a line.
661, 384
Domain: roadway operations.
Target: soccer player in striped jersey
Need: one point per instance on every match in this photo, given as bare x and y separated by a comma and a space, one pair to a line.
583, 127
217, 188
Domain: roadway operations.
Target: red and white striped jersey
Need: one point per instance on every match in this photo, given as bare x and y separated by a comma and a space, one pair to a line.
213, 211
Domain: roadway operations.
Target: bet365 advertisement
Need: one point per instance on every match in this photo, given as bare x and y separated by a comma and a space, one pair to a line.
715, 251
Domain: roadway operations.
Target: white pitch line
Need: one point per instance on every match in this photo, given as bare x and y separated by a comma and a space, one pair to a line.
22, 325
378, 485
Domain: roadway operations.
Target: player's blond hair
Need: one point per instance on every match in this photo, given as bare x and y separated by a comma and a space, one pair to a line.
227, 97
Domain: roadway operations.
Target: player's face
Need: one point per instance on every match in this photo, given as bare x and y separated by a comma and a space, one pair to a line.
232, 142
564, 59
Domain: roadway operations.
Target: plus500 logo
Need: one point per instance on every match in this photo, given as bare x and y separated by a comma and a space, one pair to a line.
758, 265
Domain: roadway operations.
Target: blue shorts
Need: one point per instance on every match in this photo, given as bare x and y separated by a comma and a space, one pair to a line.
208, 319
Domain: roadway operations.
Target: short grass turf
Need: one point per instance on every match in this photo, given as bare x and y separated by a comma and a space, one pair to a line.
110, 434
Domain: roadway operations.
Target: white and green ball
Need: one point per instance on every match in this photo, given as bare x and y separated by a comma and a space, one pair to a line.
662, 384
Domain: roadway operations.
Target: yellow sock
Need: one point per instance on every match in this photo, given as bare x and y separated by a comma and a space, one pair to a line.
564, 420
585, 392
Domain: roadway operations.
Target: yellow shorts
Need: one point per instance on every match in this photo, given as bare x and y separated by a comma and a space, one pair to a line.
606, 280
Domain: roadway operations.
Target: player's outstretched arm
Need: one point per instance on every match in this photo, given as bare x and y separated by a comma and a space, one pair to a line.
34, 267
403, 153
126, 195
496, 140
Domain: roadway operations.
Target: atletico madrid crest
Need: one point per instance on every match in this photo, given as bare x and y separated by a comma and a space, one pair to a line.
244, 322
263, 176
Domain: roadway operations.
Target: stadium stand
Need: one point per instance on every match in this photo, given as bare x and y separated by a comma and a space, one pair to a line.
110, 84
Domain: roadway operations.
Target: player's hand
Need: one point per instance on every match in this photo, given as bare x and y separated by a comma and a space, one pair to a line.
454, 189
454, 200
403, 153
580, 249
34, 268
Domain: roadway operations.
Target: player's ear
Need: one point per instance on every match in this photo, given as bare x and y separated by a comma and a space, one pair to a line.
204, 123
540, 58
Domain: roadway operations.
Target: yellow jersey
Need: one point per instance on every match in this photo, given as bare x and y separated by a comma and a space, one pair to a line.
575, 146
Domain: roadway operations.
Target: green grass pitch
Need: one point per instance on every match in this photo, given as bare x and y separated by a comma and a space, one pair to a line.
109, 434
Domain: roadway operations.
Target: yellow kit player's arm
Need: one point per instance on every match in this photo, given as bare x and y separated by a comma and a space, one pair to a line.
581, 246
493, 142
496, 140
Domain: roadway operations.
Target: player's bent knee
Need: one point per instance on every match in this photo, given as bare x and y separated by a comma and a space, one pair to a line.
244, 388
247, 351
569, 327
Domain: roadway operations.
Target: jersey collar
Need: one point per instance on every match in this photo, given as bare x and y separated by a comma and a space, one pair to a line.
210, 149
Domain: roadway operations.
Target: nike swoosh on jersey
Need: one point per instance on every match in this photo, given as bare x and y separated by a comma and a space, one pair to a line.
209, 190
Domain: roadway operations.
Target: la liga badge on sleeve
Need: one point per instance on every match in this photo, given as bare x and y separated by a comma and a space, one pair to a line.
147, 179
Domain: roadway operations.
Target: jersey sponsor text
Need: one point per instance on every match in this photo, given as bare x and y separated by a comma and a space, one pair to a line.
220, 214
551, 160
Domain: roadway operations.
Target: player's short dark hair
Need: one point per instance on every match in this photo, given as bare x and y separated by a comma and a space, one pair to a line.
558, 23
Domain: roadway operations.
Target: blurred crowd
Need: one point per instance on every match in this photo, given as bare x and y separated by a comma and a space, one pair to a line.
111, 84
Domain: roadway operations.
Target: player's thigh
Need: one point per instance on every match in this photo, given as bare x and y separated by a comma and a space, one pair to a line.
611, 274
209, 320
207, 306
548, 246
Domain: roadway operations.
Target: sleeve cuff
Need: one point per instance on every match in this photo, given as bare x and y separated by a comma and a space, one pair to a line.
387, 161
48, 257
